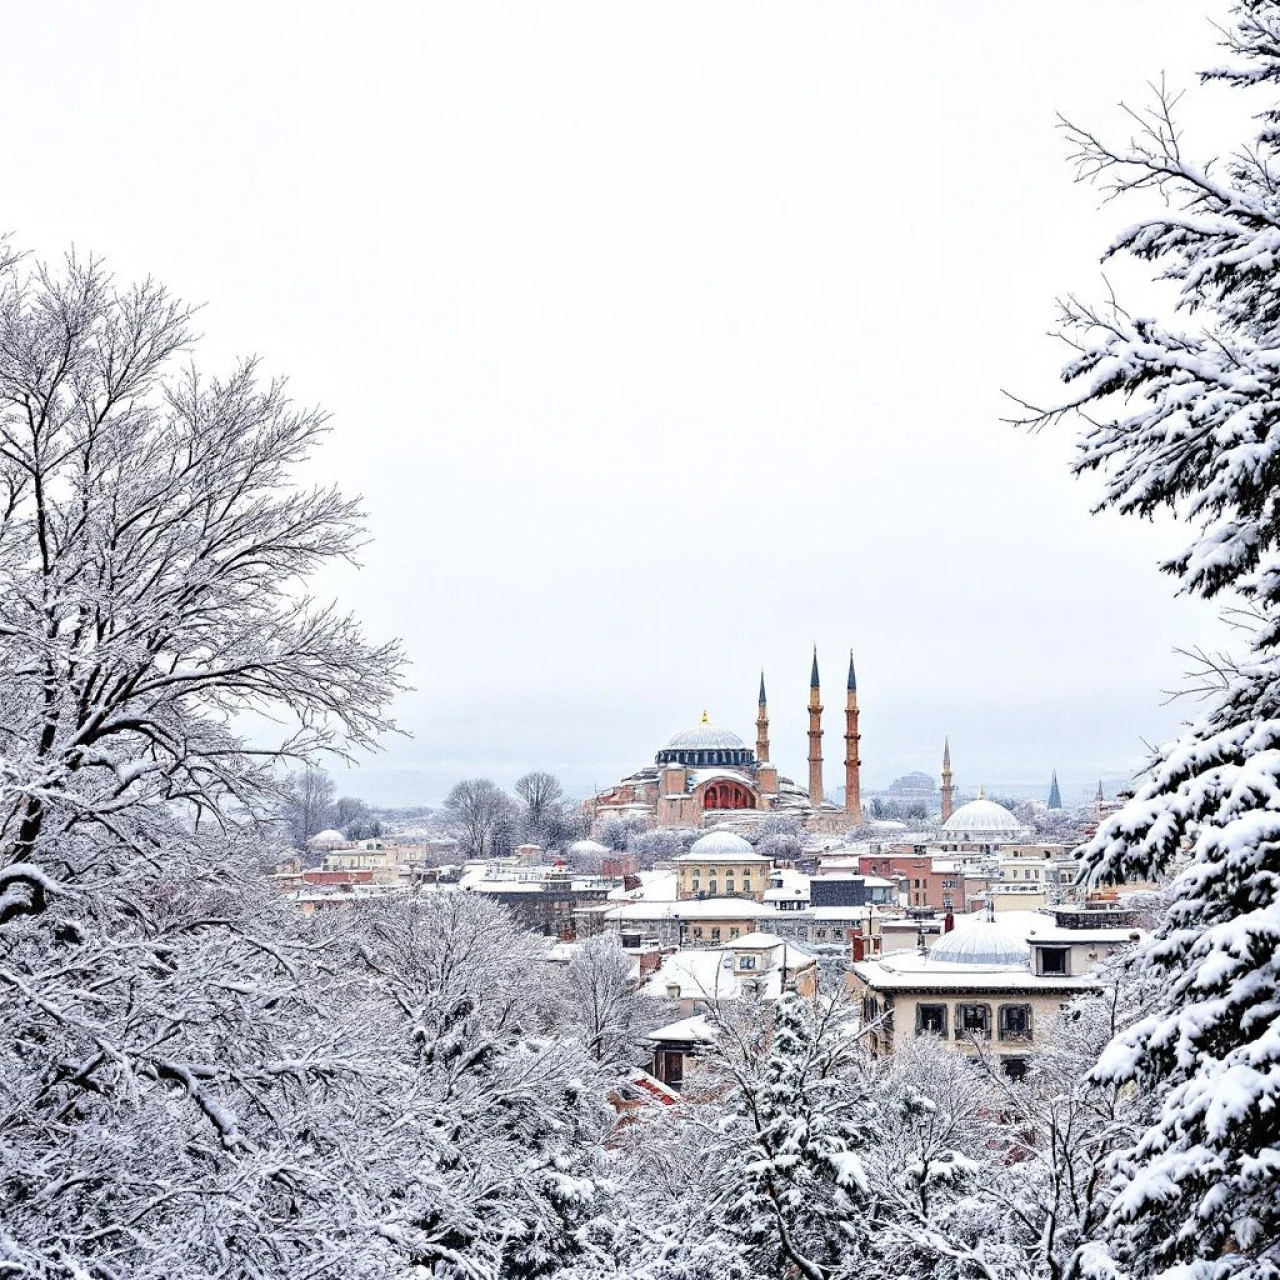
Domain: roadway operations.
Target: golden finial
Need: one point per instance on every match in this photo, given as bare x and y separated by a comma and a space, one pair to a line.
705, 719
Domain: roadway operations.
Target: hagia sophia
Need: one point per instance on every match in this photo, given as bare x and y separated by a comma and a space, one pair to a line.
706, 774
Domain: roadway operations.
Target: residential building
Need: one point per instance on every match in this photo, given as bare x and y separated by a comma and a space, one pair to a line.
994, 985
721, 864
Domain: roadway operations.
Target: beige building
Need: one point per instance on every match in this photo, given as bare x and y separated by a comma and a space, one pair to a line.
722, 864
994, 986
689, 923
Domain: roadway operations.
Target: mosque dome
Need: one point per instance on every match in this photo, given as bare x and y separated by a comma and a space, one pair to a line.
982, 942
704, 736
327, 839
980, 819
588, 849
720, 843
721, 846
706, 744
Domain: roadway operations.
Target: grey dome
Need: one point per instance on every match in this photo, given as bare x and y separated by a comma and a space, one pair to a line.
982, 942
706, 745
982, 817
721, 846
706, 737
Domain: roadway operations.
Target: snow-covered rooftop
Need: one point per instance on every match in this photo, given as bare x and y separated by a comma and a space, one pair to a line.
694, 1030
691, 909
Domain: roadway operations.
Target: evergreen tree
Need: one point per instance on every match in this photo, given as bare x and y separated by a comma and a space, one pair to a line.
801, 1104
1186, 418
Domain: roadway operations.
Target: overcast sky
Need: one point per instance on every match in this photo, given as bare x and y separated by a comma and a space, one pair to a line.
662, 340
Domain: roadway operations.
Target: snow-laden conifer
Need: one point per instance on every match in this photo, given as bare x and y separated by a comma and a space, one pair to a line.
1184, 416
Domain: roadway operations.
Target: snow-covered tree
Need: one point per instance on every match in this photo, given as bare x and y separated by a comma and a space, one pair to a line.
1182, 413
617, 832
765, 1174
308, 807
483, 817
490, 1130
543, 819
601, 999
171, 1095
656, 846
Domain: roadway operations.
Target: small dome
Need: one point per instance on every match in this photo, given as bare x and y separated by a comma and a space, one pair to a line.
721, 846
588, 849
704, 737
720, 842
327, 837
982, 817
982, 942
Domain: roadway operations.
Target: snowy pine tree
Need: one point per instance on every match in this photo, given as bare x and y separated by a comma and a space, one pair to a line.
1185, 417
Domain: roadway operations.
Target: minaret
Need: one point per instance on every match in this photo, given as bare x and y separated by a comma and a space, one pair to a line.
948, 791
762, 727
815, 735
852, 764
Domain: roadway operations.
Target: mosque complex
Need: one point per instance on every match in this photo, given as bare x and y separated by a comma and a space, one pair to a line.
707, 775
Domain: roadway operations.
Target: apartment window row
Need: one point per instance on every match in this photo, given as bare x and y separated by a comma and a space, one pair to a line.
697, 932
729, 885
973, 1019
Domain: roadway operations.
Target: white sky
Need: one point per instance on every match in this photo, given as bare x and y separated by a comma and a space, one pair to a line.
663, 340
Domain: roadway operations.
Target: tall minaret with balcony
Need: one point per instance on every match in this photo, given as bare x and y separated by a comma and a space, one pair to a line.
815, 735
948, 791
762, 726
852, 762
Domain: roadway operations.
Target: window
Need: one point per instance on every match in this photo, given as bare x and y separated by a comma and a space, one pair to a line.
746, 882
973, 1020
1015, 1022
870, 1008
697, 931
728, 885
931, 1019
1053, 960
711, 887
733, 932
696, 885
746, 962
715, 935
948, 884
1013, 1068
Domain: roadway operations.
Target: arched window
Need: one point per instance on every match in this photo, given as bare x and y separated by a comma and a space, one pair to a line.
727, 795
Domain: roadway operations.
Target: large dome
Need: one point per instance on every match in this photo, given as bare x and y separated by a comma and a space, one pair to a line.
982, 818
982, 942
706, 744
705, 737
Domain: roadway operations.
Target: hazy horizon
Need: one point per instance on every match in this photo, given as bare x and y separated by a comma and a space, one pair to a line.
662, 344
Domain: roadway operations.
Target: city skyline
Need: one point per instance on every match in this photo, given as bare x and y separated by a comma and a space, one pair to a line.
642, 399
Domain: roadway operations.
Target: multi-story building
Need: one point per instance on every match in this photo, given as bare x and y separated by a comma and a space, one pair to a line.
932, 883
992, 986
722, 864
